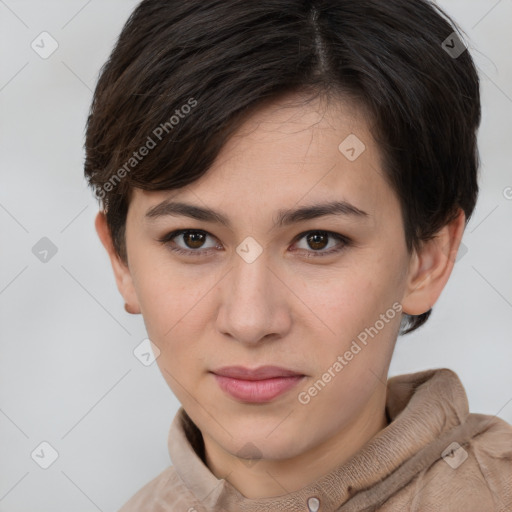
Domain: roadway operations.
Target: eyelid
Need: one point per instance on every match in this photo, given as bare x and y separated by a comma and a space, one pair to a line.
342, 239
169, 237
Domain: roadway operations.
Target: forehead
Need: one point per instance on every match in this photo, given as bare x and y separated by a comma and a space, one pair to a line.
290, 153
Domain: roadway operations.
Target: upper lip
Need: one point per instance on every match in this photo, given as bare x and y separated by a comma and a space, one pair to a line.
260, 373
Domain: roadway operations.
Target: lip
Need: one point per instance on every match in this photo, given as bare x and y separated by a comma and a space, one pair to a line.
256, 385
260, 373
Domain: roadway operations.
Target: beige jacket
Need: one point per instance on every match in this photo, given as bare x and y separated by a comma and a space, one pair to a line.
433, 456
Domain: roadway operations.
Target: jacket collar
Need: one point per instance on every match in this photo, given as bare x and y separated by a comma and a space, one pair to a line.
424, 409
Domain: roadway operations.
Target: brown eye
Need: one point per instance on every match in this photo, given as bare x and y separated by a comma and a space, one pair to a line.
194, 239
189, 242
318, 240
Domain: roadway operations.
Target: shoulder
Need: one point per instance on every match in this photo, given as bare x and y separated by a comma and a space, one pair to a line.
473, 475
492, 453
164, 493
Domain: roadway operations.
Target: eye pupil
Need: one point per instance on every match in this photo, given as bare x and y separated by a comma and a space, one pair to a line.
315, 243
197, 239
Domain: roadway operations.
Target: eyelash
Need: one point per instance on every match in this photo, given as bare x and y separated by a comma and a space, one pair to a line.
168, 238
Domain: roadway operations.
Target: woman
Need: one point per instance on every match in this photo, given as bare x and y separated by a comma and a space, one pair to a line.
284, 187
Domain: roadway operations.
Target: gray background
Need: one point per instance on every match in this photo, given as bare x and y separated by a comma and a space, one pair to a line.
68, 373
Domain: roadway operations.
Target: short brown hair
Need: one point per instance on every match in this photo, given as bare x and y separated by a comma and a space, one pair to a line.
396, 58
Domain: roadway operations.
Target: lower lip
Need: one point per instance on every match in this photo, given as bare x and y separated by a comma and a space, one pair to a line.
257, 391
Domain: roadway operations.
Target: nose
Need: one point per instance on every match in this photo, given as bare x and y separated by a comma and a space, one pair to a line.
254, 302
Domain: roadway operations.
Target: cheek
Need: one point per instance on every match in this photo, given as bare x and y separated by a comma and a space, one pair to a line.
173, 307
363, 317
354, 299
177, 309
361, 310
169, 293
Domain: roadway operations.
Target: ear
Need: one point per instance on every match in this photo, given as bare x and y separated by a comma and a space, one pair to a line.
121, 269
431, 266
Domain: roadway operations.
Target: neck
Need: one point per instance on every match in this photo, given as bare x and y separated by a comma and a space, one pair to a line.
267, 478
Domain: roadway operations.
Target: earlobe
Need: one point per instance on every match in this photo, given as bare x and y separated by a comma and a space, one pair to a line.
121, 270
431, 266
129, 309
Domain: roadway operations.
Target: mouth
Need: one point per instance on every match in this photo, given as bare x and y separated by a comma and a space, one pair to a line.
256, 385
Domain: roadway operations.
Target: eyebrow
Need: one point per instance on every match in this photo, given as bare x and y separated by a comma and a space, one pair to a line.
283, 218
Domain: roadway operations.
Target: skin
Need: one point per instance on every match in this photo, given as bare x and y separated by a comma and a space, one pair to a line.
284, 308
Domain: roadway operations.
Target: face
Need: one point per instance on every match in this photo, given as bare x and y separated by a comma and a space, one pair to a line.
317, 293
